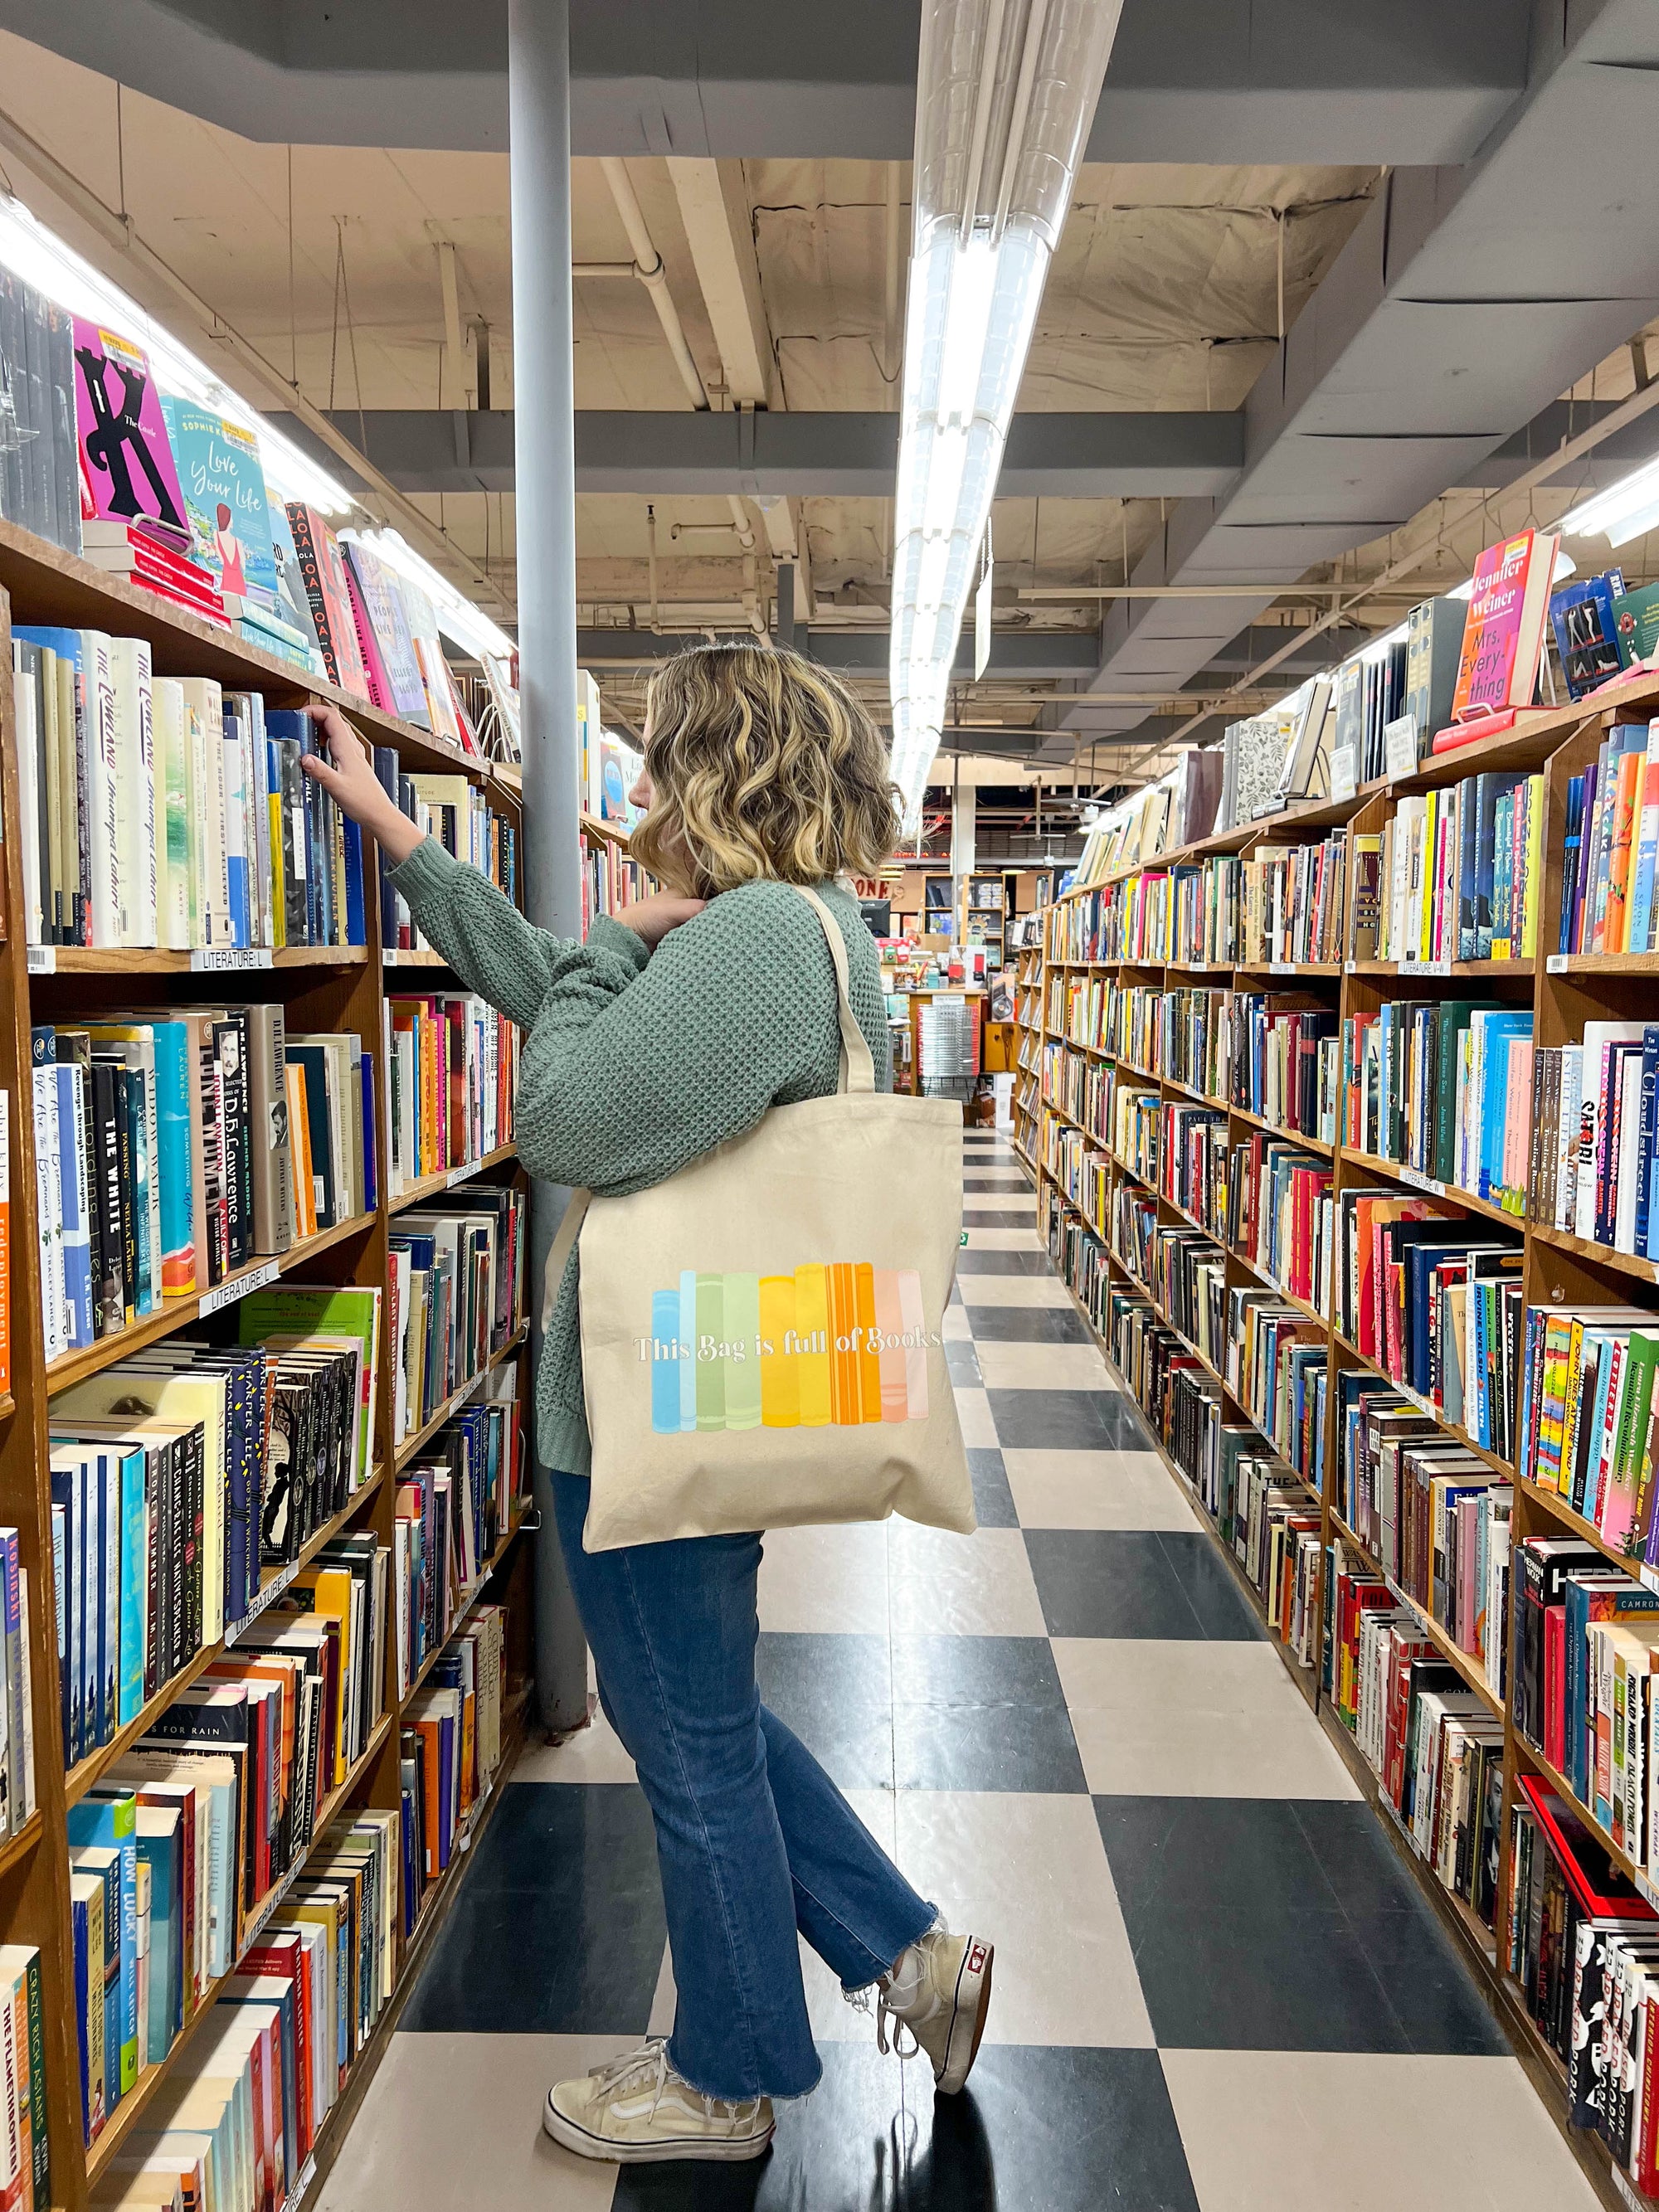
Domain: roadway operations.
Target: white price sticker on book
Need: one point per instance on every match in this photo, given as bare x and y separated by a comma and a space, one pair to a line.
1400, 746
227, 1293
41, 959
217, 959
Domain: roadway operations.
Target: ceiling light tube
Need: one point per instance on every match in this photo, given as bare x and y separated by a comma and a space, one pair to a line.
1006, 92
460, 621
41, 257
1627, 509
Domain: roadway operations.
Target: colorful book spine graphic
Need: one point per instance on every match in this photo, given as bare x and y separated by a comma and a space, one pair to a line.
835, 1345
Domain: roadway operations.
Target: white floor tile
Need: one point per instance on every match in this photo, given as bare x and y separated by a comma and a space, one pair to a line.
1162, 1719
1312, 2131
830, 1582
956, 1328
979, 1431
944, 1584
594, 1753
1030, 1871
1010, 1202
1095, 1490
1010, 1366
454, 2121
1012, 1289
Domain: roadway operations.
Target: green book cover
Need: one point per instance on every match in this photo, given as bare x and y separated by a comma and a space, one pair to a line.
1636, 624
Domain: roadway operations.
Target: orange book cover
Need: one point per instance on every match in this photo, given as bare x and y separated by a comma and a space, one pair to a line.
299, 1137
868, 1354
844, 1406
1611, 934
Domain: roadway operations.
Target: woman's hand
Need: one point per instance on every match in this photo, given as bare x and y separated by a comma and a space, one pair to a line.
652, 918
348, 776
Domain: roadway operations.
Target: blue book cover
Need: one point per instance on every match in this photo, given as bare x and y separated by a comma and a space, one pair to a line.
223, 484
75, 1198
78, 1933
1644, 1153
238, 880
111, 1817
135, 1568
107, 1465
175, 1163
355, 929
1489, 789
159, 1852
371, 1156
1468, 838
1569, 845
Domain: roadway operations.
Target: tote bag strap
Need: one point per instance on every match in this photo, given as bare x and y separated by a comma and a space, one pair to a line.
858, 1065
569, 1228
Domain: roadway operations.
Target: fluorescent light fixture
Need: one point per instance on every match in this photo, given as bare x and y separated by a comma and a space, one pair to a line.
1005, 91
462, 623
1625, 510
41, 257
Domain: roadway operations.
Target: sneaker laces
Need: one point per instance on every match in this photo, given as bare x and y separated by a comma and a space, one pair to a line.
650, 2063
884, 2012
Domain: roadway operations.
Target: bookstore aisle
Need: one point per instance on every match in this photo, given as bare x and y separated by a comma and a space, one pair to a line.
1217, 1984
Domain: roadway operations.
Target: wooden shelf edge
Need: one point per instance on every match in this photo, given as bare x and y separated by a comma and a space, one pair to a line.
73, 1367
443, 1179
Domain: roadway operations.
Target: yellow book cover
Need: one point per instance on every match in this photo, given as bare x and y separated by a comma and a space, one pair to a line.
812, 1330
780, 1366
844, 1401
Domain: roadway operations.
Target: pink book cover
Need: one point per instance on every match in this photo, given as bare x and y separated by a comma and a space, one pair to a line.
1503, 631
126, 460
379, 687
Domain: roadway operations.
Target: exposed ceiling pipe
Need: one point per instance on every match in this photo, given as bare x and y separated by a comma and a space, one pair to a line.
648, 267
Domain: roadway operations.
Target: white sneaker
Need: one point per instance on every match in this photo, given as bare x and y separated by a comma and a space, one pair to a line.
940, 1990
636, 2110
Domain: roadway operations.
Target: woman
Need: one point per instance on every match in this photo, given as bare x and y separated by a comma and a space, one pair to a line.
644, 1048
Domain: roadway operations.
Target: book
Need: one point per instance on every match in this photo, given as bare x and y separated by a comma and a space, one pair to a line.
1503, 630
126, 456
322, 573
223, 482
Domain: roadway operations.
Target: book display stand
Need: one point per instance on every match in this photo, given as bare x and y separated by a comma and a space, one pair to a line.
1130, 1152
332, 989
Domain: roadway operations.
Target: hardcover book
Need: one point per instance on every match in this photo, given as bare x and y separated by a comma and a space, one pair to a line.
1503, 630
323, 575
223, 483
127, 461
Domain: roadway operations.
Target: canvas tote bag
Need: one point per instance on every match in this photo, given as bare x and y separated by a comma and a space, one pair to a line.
762, 1335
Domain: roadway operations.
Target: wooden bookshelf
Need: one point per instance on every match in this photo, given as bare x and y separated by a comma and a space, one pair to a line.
1562, 992
335, 990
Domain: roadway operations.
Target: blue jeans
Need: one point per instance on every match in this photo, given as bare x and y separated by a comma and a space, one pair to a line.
754, 1839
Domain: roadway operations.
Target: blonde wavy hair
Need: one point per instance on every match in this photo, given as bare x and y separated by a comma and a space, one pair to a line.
761, 765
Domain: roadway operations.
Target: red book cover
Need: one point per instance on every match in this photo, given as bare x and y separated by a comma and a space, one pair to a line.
323, 574
1555, 1685
1503, 630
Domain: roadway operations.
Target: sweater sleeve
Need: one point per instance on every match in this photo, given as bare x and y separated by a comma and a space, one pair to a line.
496, 952
618, 1093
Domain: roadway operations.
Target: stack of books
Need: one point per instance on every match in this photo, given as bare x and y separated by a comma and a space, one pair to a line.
1455, 875
458, 815
1612, 843
450, 1753
452, 1068
173, 1147
1590, 1416
1286, 1063
1293, 902
458, 1270
166, 812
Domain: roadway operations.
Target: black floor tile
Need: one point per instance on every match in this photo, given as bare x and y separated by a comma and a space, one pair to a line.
1030, 1324
980, 1712
558, 1928
993, 1501
834, 1691
972, 1262
1036, 2130
1439, 2007
1365, 1873
1013, 1181
962, 1361
1063, 1420
1135, 1583
1260, 1980
982, 1219
1212, 1855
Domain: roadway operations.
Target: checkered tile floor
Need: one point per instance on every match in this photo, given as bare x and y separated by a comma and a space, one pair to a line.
1216, 1987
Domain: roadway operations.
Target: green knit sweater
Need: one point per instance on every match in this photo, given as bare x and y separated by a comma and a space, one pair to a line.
635, 1063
